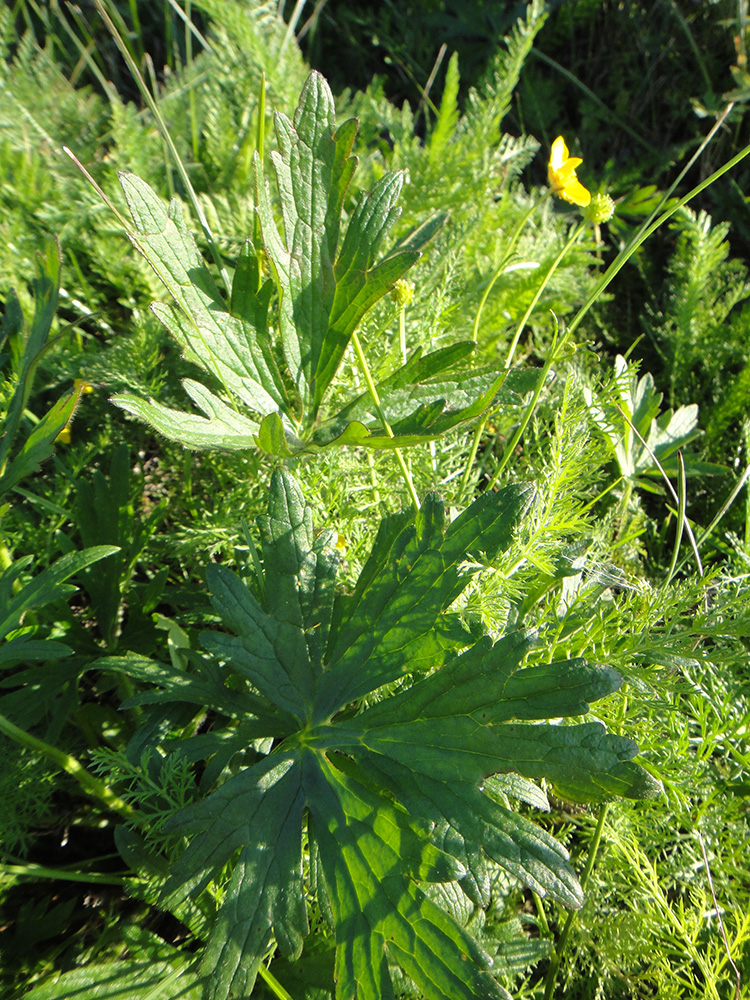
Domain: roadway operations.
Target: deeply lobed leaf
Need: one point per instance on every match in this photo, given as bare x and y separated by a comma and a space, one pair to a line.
298, 294
395, 795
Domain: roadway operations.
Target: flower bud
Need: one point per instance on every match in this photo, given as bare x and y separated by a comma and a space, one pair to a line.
403, 292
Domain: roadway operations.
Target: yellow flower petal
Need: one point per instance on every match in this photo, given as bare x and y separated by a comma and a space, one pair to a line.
561, 173
575, 193
558, 154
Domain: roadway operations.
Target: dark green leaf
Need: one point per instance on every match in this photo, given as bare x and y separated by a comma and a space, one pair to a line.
420, 580
266, 892
401, 792
47, 586
378, 913
40, 443
46, 287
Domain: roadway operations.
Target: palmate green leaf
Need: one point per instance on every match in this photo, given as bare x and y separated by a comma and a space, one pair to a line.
280, 649
378, 913
220, 343
398, 794
418, 408
637, 410
266, 888
222, 427
209, 335
298, 294
421, 410
383, 630
203, 685
322, 290
425, 743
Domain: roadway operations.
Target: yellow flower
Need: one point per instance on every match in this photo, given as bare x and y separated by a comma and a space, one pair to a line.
562, 175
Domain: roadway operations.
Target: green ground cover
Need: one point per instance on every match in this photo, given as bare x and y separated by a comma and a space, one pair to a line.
374, 533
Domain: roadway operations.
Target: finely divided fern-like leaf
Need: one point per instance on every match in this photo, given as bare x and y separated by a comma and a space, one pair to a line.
393, 797
447, 113
489, 103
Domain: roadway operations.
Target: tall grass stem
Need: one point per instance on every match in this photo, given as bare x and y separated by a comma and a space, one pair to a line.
154, 109
387, 427
91, 785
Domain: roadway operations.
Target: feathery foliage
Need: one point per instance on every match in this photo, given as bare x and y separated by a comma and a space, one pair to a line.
361, 761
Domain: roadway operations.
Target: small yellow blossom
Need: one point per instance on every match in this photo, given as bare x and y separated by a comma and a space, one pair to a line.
562, 175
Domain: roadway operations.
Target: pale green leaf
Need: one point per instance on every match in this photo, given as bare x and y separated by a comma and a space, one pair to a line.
221, 428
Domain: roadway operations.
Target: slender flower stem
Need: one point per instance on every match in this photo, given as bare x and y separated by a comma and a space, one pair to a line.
706, 532
402, 332
554, 967
373, 477
273, 983
516, 337
511, 446
622, 513
90, 784
478, 431
504, 262
646, 230
30, 870
378, 406
649, 227
260, 149
538, 294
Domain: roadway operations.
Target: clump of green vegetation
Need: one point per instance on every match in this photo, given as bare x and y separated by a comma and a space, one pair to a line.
388, 636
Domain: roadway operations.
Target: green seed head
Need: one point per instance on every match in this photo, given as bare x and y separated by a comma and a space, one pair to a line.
403, 292
600, 209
